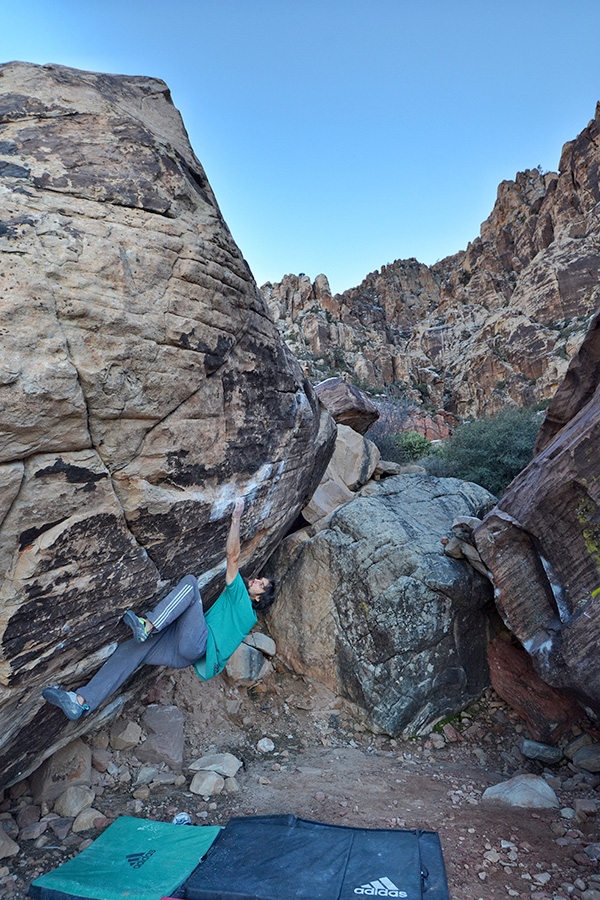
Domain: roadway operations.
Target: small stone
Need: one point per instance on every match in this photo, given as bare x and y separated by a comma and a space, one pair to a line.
320, 796
585, 808
542, 877
100, 740
582, 859
588, 758
567, 813
141, 793
165, 741
231, 785
72, 801
247, 665
124, 735
60, 827
262, 780
32, 832
100, 759
87, 819
163, 778
206, 783
145, 775
451, 734
261, 642
225, 764
590, 894
28, 815
593, 851
543, 752
265, 745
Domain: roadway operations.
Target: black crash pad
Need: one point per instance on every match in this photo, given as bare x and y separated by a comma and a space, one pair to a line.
275, 857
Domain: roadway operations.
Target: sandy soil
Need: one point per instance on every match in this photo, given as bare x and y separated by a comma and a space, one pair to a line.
326, 766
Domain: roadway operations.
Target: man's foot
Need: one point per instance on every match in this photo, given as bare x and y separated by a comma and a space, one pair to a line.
65, 700
138, 626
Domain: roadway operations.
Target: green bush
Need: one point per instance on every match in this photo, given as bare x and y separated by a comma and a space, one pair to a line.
402, 447
490, 451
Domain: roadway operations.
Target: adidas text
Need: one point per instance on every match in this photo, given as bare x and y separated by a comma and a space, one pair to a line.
137, 860
383, 887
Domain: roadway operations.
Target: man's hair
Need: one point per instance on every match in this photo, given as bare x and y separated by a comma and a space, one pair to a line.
267, 598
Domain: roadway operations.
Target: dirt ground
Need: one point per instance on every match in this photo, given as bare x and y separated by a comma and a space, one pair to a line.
326, 766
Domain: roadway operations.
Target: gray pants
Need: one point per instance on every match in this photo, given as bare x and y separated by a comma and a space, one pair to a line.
178, 639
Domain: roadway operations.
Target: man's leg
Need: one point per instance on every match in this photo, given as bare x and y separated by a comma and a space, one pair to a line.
178, 639
115, 671
175, 603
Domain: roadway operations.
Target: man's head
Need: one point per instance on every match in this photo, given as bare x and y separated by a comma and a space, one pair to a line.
262, 593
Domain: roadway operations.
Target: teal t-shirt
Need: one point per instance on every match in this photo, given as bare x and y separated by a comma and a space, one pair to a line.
229, 620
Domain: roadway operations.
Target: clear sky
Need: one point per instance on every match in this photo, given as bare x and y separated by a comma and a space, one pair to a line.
339, 135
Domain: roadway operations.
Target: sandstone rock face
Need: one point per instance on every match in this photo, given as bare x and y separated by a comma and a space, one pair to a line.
370, 605
542, 541
493, 325
143, 384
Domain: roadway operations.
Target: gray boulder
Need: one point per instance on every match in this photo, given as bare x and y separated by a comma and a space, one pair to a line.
370, 605
526, 791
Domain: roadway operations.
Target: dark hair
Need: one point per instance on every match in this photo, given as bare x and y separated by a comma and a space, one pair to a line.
267, 598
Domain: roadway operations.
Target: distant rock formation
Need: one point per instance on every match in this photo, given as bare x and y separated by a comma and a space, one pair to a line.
490, 326
370, 605
542, 540
143, 385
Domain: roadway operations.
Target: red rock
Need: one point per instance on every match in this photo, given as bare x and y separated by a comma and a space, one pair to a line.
542, 540
549, 712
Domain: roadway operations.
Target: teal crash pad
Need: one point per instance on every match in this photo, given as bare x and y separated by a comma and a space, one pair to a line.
134, 859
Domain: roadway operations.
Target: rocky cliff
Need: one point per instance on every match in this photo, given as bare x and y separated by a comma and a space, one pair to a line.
143, 384
542, 541
493, 325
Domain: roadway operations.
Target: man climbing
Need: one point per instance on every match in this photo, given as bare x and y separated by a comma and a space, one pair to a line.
178, 633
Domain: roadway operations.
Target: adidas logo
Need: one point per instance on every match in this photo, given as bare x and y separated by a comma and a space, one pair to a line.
137, 860
383, 887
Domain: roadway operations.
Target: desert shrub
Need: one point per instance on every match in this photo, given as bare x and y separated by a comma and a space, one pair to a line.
402, 447
490, 451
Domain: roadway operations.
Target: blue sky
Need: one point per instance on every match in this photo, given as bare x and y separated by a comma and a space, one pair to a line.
340, 135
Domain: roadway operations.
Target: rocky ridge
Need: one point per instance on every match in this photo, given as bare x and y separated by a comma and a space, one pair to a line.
492, 325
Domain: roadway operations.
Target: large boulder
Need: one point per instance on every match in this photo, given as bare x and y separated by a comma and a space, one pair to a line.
143, 385
542, 541
347, 404
370, 605
354, 460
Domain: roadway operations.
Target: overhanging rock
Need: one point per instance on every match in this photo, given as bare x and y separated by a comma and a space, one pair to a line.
143, 385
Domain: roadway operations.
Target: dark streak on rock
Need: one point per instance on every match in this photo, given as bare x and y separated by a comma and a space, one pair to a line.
73, 474
28, 536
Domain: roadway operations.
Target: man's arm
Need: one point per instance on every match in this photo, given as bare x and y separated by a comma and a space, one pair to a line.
232, 548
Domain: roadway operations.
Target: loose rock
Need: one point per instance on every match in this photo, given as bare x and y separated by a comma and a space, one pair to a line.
528, 791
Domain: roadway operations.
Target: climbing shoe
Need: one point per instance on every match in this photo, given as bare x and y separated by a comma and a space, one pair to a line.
65, 700
137, 625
